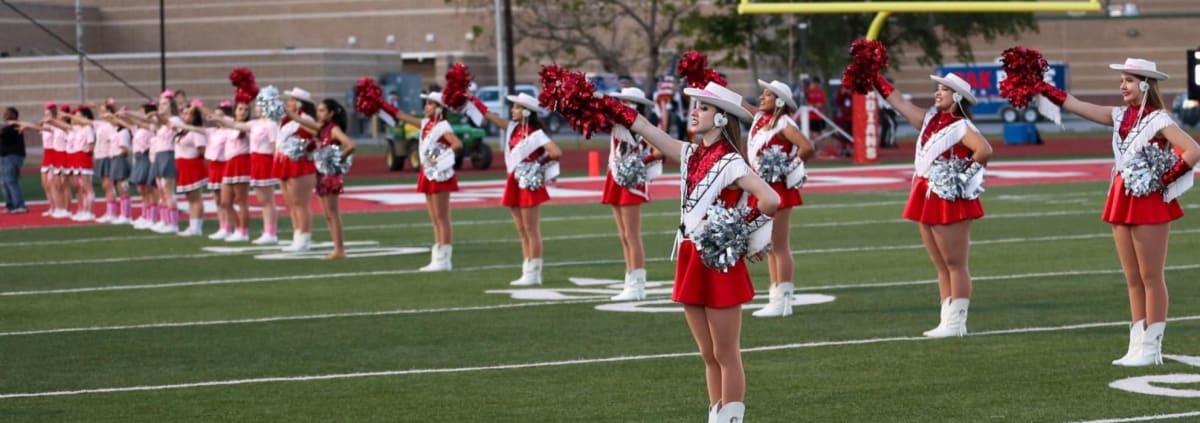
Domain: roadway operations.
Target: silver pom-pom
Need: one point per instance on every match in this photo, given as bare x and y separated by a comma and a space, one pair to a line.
631, 169
774, 165
431, 169
329, 161
268, 101
530, 175
725, 238
295, 148
950, 178
1143, 174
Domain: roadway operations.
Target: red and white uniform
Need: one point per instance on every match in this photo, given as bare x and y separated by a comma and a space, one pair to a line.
49, 154
214, 155
237, 156
284, 167
62, 160
1157, 207
262, 150
616, 195
328, 184
432, 134
763, 139
709, 174
941, 136
79, 148
189, 163
525, 144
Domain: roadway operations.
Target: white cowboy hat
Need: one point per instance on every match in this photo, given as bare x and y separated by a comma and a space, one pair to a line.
1141, 67
435, 96
724, 98
781, 90
633, 94
957, 84
299, 94
527, 101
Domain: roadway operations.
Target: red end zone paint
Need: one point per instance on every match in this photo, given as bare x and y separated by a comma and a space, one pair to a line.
384, 198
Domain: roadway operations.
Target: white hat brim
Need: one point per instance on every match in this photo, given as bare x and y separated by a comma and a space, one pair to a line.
786, 96
967, 95
1142, 72
533, 107
724, 105
633, 98
427, 97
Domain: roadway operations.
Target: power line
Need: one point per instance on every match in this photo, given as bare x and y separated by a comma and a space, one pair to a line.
73, 49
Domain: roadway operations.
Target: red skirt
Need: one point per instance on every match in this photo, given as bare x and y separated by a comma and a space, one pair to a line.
190, 174
514, 196
427, 186
261, 166
286, 168
329, 185
216, 170
788, 198
81, 163
617, 195
237, 170
933, 210
1124, 209
697, 284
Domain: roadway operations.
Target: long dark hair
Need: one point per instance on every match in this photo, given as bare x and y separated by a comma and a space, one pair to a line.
308, 108
964, 108
337, 112
87, 113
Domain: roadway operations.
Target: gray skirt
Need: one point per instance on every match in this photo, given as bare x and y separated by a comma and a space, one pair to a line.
100, 167
140, 174
164, 165
118, 168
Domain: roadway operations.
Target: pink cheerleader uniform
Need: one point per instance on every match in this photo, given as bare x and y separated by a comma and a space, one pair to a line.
1124, 209
75, 155
62, 160
788, 197
285, 168
696, 283
514, 195
328, 184
616, 195
189, 164
262, 149
48, 153
100, 153
424, 184
214, 155
237, 157
926, 207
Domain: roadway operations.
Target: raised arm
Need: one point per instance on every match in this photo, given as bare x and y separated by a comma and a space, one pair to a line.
402, 116
668, 145
913, 114
1093, 112
228, 122
305, 122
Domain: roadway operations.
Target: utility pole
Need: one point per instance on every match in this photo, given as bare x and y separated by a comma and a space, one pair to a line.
79, 51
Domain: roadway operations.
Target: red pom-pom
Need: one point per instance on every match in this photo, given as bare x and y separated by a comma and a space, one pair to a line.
1024, 70
458, 80
241, 77
367, 96
573, 96
693, 68
245, 94
868, 58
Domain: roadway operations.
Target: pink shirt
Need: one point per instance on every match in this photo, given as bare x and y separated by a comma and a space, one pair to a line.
189, 145
235, 143
214, 150
164, 137
262, 136
104, 133
60, 139
81, 139
47, 140
120, 143
141, 140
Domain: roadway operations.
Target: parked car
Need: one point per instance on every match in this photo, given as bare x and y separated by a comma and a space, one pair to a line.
1186, 110
490, 96
403, 144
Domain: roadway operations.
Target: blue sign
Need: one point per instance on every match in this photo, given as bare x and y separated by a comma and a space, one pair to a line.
985, 82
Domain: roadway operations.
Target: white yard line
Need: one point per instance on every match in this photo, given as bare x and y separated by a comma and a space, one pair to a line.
1145, 418
590, 300
543, 364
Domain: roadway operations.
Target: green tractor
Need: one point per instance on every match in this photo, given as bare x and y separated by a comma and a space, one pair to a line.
403, 144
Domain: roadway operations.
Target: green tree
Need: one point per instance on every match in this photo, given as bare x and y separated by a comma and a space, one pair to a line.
742, 40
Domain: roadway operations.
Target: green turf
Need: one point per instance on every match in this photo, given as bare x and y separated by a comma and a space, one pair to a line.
437, 333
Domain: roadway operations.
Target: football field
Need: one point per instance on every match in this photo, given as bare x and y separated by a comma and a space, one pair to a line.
108, 324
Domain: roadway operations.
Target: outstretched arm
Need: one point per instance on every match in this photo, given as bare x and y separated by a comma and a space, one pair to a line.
913, 114
668, 145
305, 122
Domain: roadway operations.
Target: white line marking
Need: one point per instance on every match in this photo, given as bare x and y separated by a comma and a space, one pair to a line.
1145, 418
582, 361
579, 300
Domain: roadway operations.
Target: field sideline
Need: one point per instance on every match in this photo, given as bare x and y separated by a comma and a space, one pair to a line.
106, 324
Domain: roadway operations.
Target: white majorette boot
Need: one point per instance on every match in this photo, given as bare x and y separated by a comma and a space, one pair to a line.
731, 413
780, 301
712, 412
439, 260
1150, 352
532, 274
300, 242
956, 320
1136, 331
447, 254
433, 259
635, 286
942, 320
524, 272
